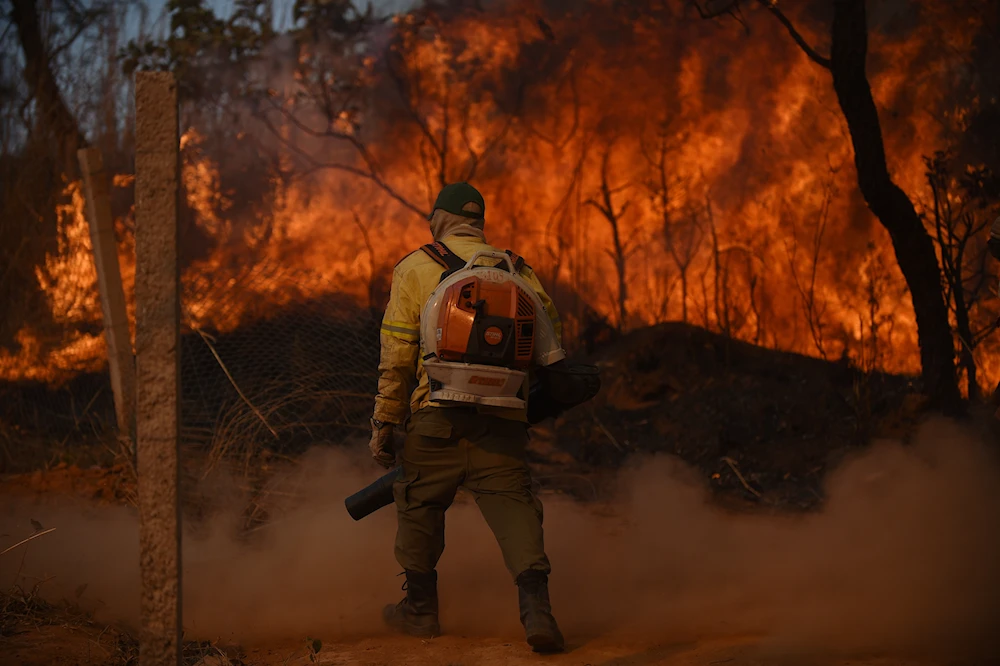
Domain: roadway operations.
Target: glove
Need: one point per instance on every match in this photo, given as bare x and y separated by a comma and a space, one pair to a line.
381, 444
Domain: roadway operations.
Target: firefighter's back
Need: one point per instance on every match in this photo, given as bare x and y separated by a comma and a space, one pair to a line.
448, 446
419, 275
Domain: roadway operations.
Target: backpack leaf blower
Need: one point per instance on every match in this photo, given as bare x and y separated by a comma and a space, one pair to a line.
481, 331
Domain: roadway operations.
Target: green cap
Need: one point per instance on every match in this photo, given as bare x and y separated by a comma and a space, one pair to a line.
455, 196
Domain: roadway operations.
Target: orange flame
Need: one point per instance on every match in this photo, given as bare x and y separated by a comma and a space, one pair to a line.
758, 157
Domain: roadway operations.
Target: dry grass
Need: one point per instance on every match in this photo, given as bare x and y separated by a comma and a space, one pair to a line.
243, 432
26, 612
20, 608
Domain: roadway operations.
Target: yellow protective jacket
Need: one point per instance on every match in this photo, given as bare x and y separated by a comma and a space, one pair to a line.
402, 384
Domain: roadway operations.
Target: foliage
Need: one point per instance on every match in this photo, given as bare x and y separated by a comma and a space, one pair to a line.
210, 56
963, 204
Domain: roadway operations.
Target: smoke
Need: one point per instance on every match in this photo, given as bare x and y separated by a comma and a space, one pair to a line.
902, 559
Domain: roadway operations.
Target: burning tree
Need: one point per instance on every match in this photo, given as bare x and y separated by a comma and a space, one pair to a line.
961, 211
887, 201
39, 136
622, 248
814, 305
681, 222
735, 270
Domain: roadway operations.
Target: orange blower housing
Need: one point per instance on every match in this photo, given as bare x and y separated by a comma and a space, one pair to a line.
487, 323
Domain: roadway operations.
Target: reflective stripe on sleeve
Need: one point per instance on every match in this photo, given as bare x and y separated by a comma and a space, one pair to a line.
400, 330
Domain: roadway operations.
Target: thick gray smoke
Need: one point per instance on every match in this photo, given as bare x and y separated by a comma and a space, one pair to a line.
904, 558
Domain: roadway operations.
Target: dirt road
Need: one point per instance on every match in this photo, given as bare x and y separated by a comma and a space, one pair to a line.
61, 645
897, 563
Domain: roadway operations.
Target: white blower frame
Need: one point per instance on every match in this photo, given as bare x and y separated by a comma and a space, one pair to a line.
472, 382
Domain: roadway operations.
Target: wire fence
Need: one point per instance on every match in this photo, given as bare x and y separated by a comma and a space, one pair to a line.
273, 374
302, 374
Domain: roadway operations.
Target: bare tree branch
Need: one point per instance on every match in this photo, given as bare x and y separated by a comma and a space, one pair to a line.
807, 292
715, 8
403, 90
574, 126
814, 55
620, 254
372, 174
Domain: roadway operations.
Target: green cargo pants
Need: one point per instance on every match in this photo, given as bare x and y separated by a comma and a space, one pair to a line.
448, 447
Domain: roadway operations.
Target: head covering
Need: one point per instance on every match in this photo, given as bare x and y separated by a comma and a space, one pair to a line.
445, 224
458, 211
455, 198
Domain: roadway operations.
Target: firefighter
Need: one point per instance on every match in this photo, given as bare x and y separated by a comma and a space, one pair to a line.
479, 448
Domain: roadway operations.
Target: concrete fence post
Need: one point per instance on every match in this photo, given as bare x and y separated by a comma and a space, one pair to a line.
157, 366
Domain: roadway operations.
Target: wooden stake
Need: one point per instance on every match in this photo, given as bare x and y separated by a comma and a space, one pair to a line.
121, 361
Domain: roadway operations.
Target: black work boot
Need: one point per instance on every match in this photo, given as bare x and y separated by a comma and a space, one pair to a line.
540, 627
417, 613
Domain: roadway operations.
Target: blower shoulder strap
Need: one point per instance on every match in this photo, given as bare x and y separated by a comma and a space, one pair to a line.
451, 262
440, 253
516, 259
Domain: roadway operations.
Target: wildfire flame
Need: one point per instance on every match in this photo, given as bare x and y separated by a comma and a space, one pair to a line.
756, 158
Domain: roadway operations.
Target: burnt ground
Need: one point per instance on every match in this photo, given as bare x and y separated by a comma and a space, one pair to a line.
730, 409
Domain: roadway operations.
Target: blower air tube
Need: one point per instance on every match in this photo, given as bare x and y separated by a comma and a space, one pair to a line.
373, 497
559, 386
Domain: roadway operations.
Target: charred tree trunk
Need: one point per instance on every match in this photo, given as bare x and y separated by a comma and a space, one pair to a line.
912, 245
684, 295
620, 268
622, 248
965, 358
954, 228
32, 183
53, 117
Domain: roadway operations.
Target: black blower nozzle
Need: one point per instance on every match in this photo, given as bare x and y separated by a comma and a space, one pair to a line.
373, 497
560, 386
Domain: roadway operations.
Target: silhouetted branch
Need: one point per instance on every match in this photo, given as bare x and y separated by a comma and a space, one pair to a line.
772, 7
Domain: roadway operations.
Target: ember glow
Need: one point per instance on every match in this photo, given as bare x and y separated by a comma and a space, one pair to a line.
723, 152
